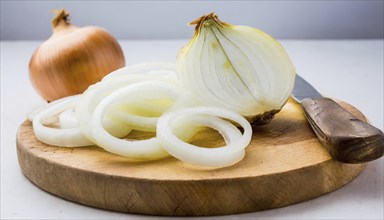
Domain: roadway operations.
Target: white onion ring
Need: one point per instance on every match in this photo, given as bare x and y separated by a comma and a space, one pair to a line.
47, 120
229, 131
71, 137
141, 149
97, 92
213, 157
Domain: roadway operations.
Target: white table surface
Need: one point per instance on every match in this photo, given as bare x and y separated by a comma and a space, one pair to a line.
348, 70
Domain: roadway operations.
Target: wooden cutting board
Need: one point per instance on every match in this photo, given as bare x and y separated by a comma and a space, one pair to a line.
284, 164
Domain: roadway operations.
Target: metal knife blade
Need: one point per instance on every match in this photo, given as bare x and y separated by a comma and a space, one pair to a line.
347, 138
303, 90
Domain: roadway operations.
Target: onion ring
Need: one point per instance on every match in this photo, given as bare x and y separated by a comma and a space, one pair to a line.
71, 137
141, 149
47, 120
97, 92
213, 157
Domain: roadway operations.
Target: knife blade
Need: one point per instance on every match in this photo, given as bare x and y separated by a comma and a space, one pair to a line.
347, 138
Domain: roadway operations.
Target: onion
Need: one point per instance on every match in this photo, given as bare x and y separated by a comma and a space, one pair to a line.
73, 58
238, 68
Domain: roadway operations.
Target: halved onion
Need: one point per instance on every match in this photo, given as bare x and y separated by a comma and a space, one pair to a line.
236, 67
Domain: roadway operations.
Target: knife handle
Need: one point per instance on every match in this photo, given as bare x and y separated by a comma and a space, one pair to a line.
347, 138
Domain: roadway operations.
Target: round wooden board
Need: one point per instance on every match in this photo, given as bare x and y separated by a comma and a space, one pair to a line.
284, 164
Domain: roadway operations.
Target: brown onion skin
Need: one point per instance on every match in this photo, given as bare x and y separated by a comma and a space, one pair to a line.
72, 59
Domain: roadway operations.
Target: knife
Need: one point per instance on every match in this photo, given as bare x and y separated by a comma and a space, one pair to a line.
347, 138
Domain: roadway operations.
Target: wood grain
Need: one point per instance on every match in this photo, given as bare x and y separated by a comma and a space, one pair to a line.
347, 138
284, 164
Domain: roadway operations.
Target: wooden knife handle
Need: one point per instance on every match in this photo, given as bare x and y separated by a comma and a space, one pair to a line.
347, 138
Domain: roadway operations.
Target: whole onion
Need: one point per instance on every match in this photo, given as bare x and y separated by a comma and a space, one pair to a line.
73, 58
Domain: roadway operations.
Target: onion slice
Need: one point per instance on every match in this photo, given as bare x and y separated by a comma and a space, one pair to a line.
212, 157
139, 149
229, 131
50, 120
70, 137
97, 92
